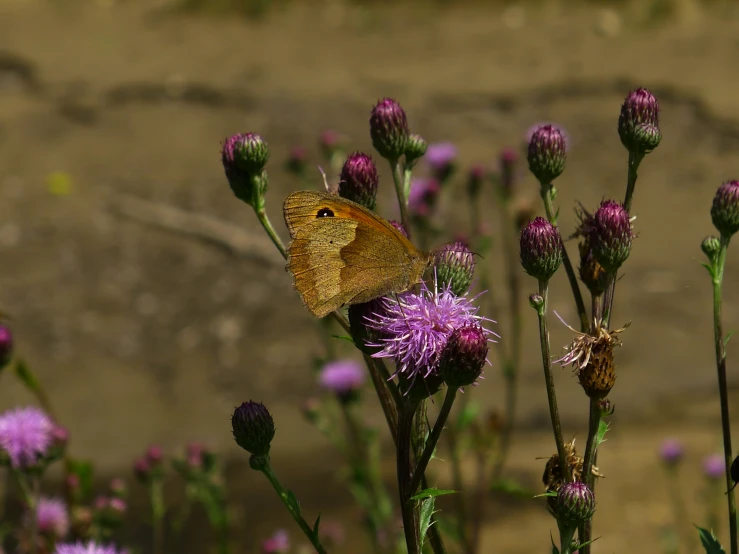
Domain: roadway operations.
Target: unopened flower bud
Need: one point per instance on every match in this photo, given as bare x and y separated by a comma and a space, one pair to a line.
611, 235
605, 407
389, 129
463, 356
711, 246
536, 301
547, 153
541, 249
638, 123
575, 504
358, 180
244, 157
455, 266
359, 316
725, 209
6, 345
253, 428
415, 148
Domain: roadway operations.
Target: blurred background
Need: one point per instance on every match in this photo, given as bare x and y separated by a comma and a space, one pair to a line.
113, 112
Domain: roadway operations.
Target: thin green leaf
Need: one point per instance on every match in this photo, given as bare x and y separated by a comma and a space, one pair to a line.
315, 526
600, 436
292, 500
26, 377
431, 493
727, 337
709, 541
709, 269
343, 337
427, 511
555, 550
512, 487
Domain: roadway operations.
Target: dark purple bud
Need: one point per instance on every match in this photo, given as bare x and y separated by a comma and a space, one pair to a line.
638, 123
463, 356
389, 129
547, 153
671, 452
725, 209
244, 157
415, 148
358, 180
455, 266
508, 162
6, 346
253, 428
361, 314
541, 249
575, 504
297, 161
611, 235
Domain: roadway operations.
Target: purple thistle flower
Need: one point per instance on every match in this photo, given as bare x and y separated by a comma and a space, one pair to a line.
671, 452
279, 542
417, 327
26, 434
440, 158
342, 377
423, 196
89, 547
714, 466
52, 518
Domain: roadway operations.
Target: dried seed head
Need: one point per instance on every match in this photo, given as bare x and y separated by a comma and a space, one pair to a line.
553, 478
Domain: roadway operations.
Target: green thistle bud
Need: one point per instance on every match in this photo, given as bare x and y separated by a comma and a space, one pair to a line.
415, 148
389, 129
463, 356
244, 157
710, 247
547, 153
575, 504
536, 301
455, 266
541, 249
253, 428
638, 123
725, 209
611, 235
358, 180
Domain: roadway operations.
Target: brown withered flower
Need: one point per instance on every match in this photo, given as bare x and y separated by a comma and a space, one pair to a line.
553, 478
592, 359
591, 272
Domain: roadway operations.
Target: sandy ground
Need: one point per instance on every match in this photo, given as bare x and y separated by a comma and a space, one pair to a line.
143, 335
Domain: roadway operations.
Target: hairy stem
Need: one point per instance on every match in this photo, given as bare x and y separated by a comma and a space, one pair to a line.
586, 530
267, 225
404, 470
402, 194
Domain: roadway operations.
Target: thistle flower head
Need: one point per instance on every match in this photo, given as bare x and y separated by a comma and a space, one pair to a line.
455, 267
277, 543
417, 327
463, 356
710, 247
638, 123
253, 428
441, 158
89, 547
6, 345
26, 436
610, 235
244, 156
592, 359
423, 196
591, 272
358, 180
52, 518
547, 153
575, 503
553, 478
389, 129
725, 209
714, 466
342, 377
541, 249
671, 452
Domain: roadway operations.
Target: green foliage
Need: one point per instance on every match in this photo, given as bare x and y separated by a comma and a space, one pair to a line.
710, 542
427, 512
432, 493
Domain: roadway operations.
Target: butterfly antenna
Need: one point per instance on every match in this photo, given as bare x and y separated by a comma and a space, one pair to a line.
325, 180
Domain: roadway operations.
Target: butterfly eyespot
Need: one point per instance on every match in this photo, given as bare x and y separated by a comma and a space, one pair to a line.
325, 212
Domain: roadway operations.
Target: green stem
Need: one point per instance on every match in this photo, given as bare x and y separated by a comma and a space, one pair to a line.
404, 470
718, 277
547, 195
586, 529
264, 220
682, 521
293, 509
387, 393
400, 191
546, 360
433, 439
156, 497
32, 501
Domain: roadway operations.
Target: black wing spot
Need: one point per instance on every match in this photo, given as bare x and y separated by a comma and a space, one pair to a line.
325, 212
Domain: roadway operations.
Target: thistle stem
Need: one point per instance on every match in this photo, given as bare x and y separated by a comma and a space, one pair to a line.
551, 393
387, 393
433, 439
718, 277
33, 500
586, 529
400, 191
267, 225
547, 195
291, 507
404, 470
156, 497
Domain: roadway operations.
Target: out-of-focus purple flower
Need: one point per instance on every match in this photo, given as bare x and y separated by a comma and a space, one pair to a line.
118, 487
279, 542
342, 377
297, 160
89, 547
441, 158
6, 345
714, 467
26, 435
417, 326
422, 197
507, 161
671, 452
52, 518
